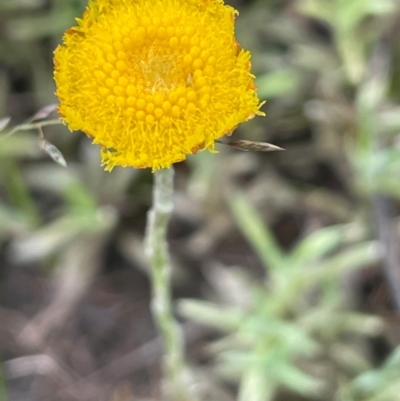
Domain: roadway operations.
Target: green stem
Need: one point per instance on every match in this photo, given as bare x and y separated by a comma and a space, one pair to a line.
30, 126
178, 381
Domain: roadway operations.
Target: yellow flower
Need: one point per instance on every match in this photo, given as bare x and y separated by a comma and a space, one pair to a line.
152, 81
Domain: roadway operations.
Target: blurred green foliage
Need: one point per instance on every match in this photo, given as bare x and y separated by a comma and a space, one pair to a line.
297, 314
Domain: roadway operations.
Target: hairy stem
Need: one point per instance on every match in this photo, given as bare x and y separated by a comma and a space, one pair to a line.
178, 386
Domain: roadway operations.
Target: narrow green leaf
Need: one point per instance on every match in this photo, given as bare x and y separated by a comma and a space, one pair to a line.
317, 244
223, 318
259, 236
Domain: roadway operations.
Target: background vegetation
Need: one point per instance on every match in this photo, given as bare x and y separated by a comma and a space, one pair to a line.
286, 264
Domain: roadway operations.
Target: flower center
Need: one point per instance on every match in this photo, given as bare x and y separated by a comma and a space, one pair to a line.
157, 72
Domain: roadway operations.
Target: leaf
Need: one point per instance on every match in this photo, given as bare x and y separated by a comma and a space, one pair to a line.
317, 9
317, 244
43, 113
53, 152
293, 378
250, 146
257, 233
357, 257
352, 12
4, 122
223, 318
367, 382
393, 361
277, 83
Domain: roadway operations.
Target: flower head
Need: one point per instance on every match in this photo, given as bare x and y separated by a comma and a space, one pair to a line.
152, 81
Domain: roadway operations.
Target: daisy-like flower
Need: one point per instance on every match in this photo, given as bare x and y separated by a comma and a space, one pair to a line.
152, 81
